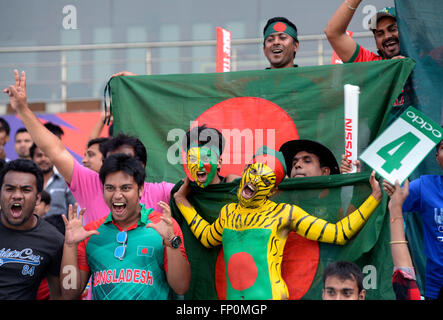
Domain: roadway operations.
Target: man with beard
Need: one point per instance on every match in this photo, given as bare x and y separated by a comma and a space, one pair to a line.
22, 143
383, 25
54, 184
30, 248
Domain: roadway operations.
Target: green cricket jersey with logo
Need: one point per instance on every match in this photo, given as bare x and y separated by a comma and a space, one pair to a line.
140, 274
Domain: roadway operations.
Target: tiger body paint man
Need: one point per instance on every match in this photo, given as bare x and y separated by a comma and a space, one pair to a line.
253, 231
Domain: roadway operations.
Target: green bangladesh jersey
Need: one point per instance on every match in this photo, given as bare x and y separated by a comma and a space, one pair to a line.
140, 274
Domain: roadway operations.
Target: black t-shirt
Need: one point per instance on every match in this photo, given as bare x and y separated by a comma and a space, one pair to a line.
27, 257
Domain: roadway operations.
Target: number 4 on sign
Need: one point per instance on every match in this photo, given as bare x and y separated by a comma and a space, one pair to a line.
403, 145
393, 153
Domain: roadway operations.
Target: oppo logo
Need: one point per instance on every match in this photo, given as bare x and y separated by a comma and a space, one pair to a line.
423, 124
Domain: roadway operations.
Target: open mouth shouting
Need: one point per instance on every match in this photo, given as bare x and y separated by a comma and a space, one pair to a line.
201, 176
248, 191
118, 208
16, 210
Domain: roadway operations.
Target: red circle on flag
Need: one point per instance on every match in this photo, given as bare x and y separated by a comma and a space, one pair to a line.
299, 265
280, 27
242, 271
145, 250
246, 123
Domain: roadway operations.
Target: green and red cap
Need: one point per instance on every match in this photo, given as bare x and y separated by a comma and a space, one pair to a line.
273, 159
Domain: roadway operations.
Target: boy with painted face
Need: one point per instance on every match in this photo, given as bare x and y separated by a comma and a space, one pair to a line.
203, 165
203, 147
254, 230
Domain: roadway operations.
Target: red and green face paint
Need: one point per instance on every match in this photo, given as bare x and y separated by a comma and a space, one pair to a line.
202, 165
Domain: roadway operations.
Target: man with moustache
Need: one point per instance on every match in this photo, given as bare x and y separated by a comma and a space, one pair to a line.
22, 143
384, 27
30, 248
307, 158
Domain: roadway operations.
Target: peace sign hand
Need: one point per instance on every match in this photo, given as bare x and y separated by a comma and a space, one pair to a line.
17, 92
74, 230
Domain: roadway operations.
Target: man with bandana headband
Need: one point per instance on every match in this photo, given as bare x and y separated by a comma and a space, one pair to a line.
254, 230
280, 43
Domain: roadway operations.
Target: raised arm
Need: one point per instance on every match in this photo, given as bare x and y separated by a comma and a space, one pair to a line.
317, 229
335, 30
49, 143
399, 247
209, 235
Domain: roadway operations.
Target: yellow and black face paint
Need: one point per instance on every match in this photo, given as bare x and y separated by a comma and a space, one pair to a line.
256, 184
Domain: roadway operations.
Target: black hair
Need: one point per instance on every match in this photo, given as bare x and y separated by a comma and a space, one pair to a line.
344, 270
23, 165
5, 126
55, 129
45, 197
2, 163
32, 150
123, 162
20, 130
208, 137
122, 139
98, 141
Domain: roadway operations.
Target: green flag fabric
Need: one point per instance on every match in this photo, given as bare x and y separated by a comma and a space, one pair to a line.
252, 108
270, 107
420, 27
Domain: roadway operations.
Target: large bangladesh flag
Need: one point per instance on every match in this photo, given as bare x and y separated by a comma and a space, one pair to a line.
252, 108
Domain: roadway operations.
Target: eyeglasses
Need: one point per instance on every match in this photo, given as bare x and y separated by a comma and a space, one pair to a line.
119, 252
